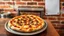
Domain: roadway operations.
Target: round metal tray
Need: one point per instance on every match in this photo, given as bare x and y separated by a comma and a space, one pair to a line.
20, 33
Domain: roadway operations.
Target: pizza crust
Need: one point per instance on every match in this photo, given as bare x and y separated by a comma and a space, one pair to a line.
32, 23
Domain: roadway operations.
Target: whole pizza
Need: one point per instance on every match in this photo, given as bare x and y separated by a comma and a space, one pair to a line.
26, 23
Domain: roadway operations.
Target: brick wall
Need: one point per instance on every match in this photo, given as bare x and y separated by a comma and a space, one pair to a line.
7, 5
58, 20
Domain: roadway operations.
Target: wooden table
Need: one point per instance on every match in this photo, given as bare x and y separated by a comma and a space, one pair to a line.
50, 31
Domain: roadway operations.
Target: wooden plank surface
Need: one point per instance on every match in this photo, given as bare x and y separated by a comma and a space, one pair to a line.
50, 31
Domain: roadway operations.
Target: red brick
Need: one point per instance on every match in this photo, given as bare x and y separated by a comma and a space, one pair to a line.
2, 2
31, 3
60, 31
63, 15
41, 3
61, 18
26, 0
44, 17
57, 30
51, 18
14, 12
62, 0
60, 26
5, 6
37, 0
20, 3
15, 0
62, 22
11, 10
56, 22
11, 3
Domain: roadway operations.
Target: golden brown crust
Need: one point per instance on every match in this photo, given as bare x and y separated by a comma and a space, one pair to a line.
26, 23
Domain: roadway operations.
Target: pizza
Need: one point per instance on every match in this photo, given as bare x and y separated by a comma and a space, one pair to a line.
26, 23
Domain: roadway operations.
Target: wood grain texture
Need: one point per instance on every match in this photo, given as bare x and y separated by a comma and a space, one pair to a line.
50, 31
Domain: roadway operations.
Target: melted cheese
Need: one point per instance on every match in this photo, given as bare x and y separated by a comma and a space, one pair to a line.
27, 27
15, 28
